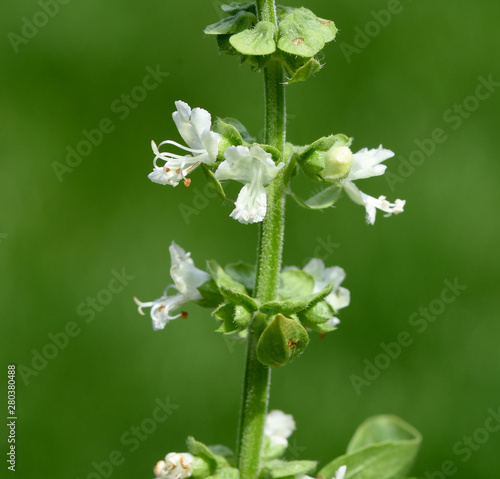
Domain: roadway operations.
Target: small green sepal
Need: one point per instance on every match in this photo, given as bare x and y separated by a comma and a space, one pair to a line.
210, 293
257, 41
230, 135
316, 317
306, 71
241, 128
283, 340
290, 306
222, 279
272, 450
302, 33
211, 461
239, 299
234, 318
326, 198
198, 449
272, 151
215, 184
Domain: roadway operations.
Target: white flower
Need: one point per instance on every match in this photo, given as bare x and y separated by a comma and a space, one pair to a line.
367, 163
254, 168
194, 127
340, 472
339, 297
186, 277
279, 427
175, 466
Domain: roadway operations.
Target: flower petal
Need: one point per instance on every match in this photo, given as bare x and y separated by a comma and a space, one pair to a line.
186, 276
366, 163
251, 205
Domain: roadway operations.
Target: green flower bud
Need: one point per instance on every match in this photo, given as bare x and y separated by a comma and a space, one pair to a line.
328, 159
283, 340
338, 162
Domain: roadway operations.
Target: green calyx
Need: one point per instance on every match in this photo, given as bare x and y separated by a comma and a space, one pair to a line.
229, 293
327, 160
295, 41
283, 340
320, 160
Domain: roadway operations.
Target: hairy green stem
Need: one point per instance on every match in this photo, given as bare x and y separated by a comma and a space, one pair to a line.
257, 376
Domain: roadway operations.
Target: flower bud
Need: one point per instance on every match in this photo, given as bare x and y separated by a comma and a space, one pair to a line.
338, 162
283, 340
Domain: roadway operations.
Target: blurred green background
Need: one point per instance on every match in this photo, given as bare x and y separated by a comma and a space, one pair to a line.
62, 240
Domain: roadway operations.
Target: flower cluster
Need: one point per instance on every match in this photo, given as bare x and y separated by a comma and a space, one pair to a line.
252, 166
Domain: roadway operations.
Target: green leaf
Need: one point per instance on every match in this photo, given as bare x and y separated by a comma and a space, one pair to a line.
282, 341
306, 71
244, 273
302, 33
277, 469
215, 184
230, 25
383, 447
382, 428
256, 41
295, 284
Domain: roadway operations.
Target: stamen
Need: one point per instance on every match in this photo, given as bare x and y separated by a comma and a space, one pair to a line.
182, 147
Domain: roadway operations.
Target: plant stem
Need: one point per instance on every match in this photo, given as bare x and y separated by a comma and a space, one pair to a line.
257, 376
